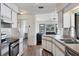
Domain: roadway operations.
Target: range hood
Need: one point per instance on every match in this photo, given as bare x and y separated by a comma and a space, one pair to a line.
6, 20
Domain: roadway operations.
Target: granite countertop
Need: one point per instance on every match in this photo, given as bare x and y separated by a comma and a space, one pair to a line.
10, 40
74, 47
6, 43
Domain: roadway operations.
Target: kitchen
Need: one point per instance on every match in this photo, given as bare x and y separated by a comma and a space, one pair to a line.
55, 25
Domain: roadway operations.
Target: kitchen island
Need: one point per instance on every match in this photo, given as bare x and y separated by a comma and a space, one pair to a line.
58, 47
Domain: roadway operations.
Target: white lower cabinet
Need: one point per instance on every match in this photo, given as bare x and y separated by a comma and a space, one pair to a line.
44, 44
55, 47
58, 52
49, 46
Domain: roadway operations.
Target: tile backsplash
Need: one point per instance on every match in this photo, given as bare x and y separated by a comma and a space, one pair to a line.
6, 31
66, 31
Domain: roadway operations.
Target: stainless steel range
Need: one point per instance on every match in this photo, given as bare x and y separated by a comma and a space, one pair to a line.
14, 48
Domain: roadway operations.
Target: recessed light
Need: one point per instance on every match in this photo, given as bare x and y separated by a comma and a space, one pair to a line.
23, 12
40, 7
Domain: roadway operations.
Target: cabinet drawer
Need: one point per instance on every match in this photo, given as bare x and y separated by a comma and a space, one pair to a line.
60, 46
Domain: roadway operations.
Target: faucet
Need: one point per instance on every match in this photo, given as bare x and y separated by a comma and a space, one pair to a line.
74, 40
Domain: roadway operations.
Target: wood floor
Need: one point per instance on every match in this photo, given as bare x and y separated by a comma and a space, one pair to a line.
34, 50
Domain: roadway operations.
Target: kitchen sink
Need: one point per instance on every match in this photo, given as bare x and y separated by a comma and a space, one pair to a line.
65, 39
70, 41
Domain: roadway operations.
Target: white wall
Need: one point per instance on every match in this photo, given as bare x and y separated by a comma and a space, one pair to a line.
23, 25
60, 6
31, 31
30, 23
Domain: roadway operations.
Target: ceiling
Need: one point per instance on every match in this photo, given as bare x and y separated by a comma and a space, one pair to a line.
32, 8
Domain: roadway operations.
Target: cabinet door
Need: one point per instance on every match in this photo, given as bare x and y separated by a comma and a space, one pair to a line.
5, 11
66, 20
14, 19
44, 44
58, 52
21, 48
60, 20
49, 45
54, 49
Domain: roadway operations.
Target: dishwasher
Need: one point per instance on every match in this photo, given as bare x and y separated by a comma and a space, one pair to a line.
70, 52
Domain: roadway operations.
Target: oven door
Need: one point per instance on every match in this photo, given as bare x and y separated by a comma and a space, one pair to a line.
14, 49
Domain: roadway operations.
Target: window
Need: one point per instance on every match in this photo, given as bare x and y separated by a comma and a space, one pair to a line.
52, 28
42, 28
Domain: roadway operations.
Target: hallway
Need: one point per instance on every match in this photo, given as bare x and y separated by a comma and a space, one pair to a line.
34, 50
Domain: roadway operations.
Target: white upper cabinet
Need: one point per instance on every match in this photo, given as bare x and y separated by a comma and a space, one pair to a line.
5, 11
60, 19
14, 19
66, 20
9, 13
13, 7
